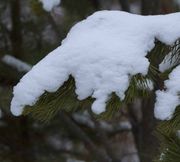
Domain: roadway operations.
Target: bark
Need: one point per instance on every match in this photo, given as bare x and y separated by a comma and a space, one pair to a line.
96, 4
16, 35
150, 7
23, 151
149, 143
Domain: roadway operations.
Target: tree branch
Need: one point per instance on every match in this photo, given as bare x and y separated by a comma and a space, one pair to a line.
79, 133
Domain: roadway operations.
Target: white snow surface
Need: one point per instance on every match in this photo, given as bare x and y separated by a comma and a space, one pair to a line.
48, 5
167, 101
101, 52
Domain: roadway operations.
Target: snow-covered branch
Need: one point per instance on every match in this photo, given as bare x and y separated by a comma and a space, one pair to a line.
16, 63
102, 53
168, 100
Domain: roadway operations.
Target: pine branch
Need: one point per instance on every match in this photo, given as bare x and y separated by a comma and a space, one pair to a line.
169, 135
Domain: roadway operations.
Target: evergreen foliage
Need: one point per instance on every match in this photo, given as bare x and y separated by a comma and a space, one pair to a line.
65, 99
169, 135
168, 131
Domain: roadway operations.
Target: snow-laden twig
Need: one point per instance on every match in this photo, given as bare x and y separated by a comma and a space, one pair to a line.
16, 63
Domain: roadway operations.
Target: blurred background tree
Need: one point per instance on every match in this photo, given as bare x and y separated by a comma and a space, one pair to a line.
28, 33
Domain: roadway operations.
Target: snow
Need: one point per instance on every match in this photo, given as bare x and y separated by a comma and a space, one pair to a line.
170, 60
48, 5
168, 100
59, 143
84, 118
148, 85
102, 53
120, 126
15, 63
167, 63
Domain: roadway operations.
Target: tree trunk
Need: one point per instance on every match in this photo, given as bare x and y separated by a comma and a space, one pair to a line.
16, 35
150, 7
125, 5
17, 51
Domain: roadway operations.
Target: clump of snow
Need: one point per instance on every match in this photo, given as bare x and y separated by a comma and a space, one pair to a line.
17, 64
102, 53
48, 5
168, 100
163, 154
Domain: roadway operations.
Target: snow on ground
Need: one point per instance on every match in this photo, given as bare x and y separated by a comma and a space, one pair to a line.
48, 5
101, 53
